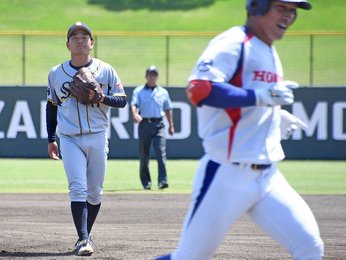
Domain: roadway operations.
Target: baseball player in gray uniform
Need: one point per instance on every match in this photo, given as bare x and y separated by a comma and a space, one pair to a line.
238, 88
82, 130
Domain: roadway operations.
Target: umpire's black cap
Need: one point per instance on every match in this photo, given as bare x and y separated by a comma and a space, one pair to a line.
151, 69
77, 26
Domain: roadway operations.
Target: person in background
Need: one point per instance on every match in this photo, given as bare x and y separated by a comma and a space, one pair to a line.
149, 104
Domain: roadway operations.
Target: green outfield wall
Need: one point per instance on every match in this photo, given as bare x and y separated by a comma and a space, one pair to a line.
23, 126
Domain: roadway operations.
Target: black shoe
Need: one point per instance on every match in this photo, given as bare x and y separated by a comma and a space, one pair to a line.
163, 186
147, 187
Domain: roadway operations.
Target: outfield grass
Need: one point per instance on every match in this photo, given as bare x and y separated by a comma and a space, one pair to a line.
47, 176
151, 15
131, 55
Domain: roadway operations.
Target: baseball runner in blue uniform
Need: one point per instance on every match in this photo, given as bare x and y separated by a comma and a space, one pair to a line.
82, 129
239, 88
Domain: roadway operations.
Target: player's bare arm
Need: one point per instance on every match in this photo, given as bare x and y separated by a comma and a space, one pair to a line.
169, 116
137, 118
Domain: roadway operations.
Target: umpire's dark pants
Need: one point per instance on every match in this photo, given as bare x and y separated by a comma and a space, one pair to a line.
148, 132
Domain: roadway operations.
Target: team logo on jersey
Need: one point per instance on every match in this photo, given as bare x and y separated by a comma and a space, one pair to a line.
119, 85
63, 92
205, 65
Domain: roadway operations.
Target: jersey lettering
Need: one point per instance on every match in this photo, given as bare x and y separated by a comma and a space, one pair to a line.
266, 76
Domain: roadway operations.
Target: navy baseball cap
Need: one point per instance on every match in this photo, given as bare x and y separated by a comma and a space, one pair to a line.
303, 4
151, 69
79, 26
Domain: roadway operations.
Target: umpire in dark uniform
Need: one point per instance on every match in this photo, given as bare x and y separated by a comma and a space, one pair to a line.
149, 104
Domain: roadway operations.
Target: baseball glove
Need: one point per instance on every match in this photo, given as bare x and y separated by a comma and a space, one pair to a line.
83, 85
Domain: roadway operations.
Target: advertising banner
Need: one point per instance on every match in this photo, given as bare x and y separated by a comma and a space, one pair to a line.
23, 125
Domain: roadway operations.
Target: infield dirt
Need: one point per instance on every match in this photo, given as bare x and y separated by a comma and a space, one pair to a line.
142, 226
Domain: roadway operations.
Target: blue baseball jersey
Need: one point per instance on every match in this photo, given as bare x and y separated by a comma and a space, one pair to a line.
151, 102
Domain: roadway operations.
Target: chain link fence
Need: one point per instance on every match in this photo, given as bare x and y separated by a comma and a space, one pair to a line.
312, 59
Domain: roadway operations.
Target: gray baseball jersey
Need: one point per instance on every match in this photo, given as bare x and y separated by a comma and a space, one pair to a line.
76, 118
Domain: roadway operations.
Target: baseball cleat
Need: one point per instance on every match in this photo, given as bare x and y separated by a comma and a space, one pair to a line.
83, 248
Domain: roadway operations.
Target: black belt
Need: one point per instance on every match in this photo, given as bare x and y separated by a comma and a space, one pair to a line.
151, 119
256, 167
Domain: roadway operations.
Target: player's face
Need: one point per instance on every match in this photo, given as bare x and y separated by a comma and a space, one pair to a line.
278, 19
80, 43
